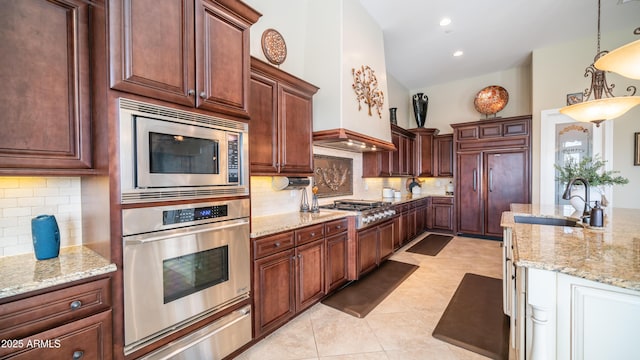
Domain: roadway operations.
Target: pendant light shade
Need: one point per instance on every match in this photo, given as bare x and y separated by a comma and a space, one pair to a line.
624, 60
609, 106
601, 109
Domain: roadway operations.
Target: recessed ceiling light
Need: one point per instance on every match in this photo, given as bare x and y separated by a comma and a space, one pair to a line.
458, 53
445, 21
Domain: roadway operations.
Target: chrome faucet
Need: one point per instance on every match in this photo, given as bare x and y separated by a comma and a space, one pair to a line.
567, 195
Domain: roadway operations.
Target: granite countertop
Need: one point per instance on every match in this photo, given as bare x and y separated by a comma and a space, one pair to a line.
609, 255
271, 224
23, 273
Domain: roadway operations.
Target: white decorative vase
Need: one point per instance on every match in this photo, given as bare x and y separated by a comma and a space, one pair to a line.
577, 196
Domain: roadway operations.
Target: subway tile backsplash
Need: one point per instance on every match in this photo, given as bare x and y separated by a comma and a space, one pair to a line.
23, 198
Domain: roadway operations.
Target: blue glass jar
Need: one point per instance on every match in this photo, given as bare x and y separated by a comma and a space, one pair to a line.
46, 236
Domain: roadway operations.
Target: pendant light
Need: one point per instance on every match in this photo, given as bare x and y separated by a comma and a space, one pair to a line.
600, 109
624, 60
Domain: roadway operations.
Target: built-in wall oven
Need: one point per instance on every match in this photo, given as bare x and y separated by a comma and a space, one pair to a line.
182, 264
167, 153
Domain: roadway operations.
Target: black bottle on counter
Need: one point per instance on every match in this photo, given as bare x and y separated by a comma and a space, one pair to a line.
597, 216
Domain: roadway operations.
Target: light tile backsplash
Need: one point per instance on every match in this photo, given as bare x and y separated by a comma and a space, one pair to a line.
265, 200
23, 198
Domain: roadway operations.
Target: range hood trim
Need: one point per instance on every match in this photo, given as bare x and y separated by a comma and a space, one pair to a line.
341, 139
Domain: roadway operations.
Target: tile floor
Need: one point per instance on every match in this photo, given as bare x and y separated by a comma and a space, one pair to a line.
400, 327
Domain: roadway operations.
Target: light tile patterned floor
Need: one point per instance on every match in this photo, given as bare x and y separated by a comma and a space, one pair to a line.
400, 327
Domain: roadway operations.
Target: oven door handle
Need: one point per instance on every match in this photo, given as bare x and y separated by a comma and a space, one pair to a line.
167, 234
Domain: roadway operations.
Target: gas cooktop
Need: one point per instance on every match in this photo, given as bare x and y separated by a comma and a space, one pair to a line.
367, 212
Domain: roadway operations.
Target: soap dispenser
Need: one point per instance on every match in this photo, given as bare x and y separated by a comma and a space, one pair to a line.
597, 216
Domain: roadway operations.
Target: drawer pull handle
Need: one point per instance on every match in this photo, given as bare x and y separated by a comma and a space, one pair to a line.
339, 227
312, 234
276, 244
75, 305
78, 354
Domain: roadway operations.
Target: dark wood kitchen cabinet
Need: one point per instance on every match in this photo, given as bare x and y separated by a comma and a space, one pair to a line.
73, 322
281, 122
289, 275
425, 154
337, 236
493, 170
46, 99
443, 155
374, 245
188, 52
441, 214
392, 163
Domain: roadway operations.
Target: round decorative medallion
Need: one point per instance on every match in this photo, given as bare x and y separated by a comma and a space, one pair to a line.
273, 46
491, 99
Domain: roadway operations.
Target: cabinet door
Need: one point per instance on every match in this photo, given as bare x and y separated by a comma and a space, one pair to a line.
152, 49
88, 338
507, 182
274, 284
470, 214
263, 137
443, 154
222, 60
425, 155
367, 250
45, 97
442, 217
386, 238
336, 261
310, 273
395, 157
296, 131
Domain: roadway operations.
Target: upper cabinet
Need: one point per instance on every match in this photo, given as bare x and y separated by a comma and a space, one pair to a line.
392, 163
189, 52
425, 151
281, 132
443, 155
46, 98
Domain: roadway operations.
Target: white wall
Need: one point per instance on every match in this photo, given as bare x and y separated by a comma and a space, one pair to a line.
559, 70
400, 98
452, 102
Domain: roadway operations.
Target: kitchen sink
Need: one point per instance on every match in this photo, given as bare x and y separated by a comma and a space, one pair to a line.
542, 220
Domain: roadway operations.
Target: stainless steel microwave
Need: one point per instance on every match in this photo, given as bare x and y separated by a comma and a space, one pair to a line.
170, 154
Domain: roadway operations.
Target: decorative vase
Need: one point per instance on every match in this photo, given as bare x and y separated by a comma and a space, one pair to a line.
420, 105
393, 116
46, 236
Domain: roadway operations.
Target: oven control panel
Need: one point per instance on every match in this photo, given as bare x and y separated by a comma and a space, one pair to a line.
178, 216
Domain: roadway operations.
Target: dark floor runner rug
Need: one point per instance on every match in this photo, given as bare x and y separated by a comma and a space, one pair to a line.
361, 296
431, 244
474, 319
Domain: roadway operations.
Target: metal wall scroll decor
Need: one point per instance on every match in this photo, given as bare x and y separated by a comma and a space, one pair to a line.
365, 84
333, 175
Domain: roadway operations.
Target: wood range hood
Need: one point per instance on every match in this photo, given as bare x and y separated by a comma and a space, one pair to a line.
347, 140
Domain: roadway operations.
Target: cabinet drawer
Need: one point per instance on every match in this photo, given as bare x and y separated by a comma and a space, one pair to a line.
35, 314
272, 244
442, 200
309, 233
335, 227
88, 338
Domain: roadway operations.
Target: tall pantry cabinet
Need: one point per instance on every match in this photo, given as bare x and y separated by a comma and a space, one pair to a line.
493, 170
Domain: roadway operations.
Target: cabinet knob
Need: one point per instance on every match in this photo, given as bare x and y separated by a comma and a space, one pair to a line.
78, 354
339, 227
203, 95
75, 305
191, 92
276, 244
313, 234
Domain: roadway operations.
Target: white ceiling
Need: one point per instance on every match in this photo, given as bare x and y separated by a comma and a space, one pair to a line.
494, 34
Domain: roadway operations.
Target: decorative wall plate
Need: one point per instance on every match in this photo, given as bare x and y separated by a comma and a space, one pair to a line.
491, 99
274, 47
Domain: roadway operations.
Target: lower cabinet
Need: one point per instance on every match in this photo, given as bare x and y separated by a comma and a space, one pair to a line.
374, 245
295, 269
70, 323
568, 317
442, 213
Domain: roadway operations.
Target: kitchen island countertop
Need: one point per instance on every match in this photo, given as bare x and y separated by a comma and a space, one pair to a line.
23, 273
609, 255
